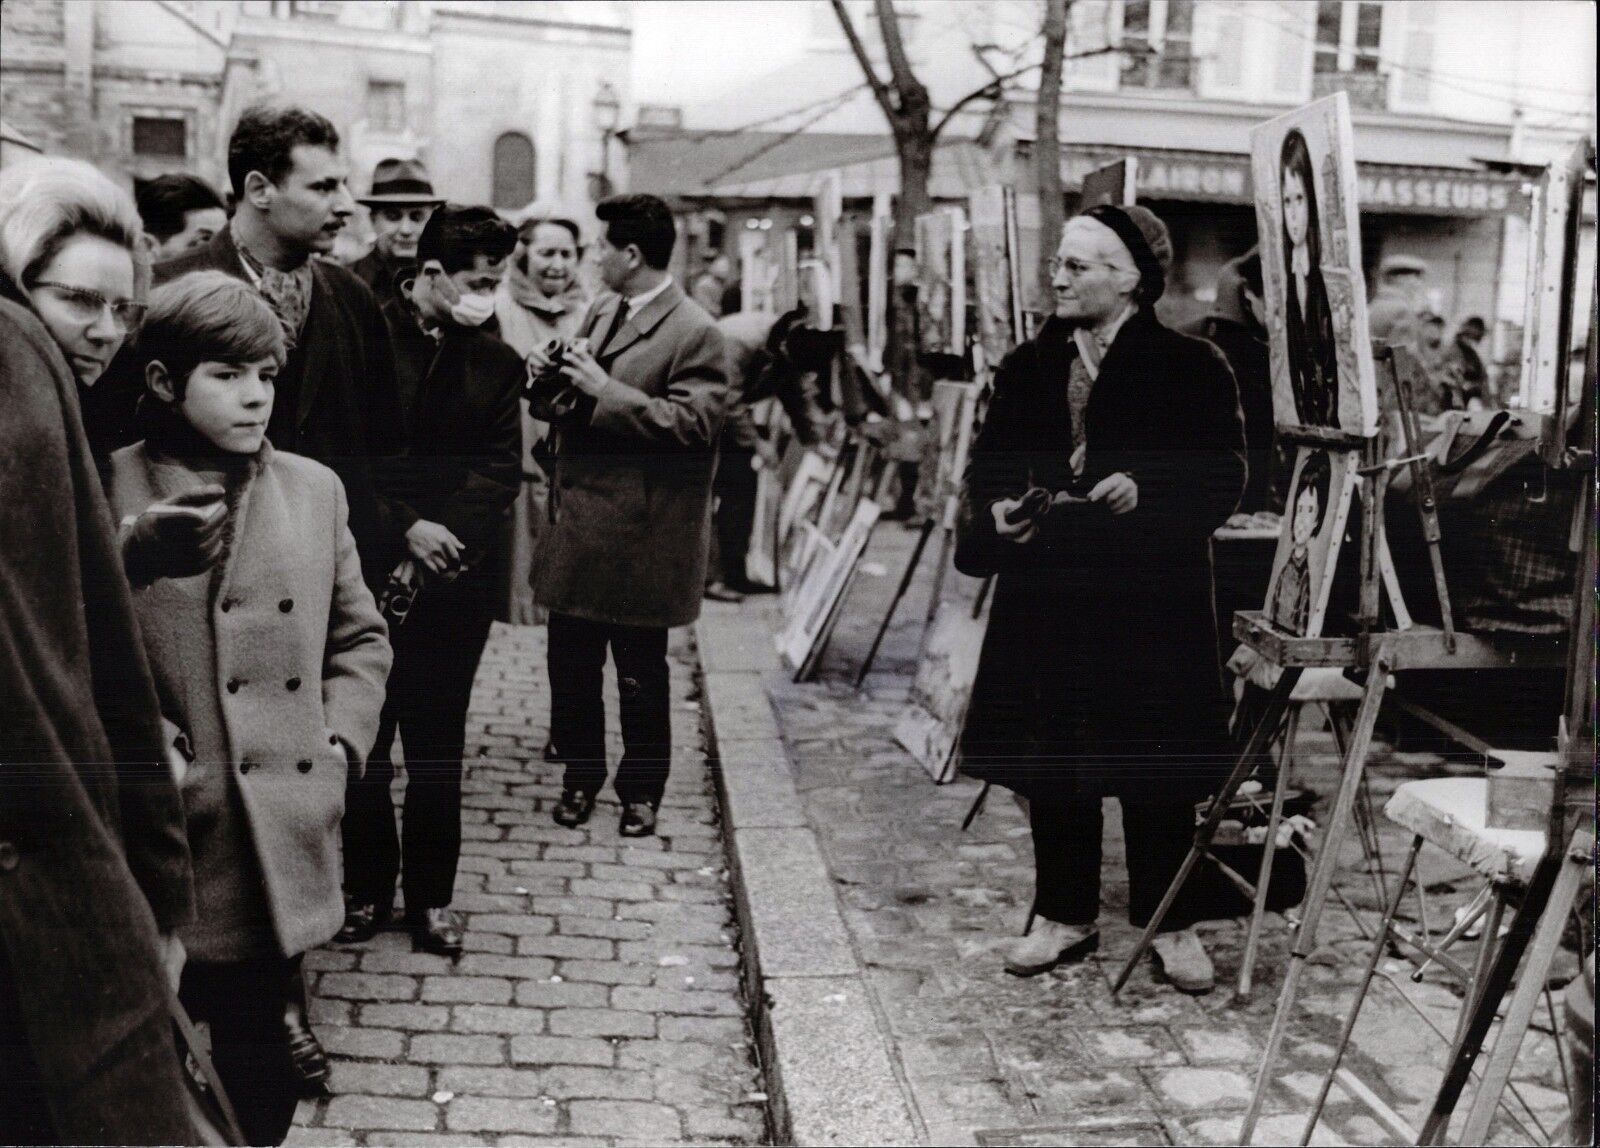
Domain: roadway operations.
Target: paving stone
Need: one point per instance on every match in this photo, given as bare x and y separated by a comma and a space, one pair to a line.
562, 1050
603, 1022
469, 1081
506, 1019
652, 1123
566, 1081
371, 1043
416, 1018
466, 990
493, 1114
367, 986
1202, 1088
451, 1048
377, 1079
380, 1112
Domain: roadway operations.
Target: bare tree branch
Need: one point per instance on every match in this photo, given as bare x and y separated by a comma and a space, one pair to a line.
995, 87
894, 46
879, 91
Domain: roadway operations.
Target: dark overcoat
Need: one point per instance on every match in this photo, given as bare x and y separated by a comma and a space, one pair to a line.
337, 400
274, 666
1099, 668
93, 857
631, 500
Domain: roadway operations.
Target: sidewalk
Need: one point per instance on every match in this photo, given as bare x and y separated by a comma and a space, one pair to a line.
599, 999
969, 1054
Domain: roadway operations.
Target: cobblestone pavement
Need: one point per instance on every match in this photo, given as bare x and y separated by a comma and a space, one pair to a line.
1055, 1059
598, 1001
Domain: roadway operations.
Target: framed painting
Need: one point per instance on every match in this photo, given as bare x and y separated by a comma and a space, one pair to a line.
1303, 167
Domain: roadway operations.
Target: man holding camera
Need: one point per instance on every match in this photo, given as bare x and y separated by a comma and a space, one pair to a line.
637, 404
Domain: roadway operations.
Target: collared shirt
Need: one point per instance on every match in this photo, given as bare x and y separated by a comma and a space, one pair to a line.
636, 302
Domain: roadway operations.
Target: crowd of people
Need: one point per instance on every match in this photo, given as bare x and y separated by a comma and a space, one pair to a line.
260, 511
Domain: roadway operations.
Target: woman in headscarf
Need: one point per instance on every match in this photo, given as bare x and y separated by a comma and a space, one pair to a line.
1098, 675
539, 299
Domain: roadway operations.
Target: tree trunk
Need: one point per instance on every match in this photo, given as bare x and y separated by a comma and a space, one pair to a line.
1047, 140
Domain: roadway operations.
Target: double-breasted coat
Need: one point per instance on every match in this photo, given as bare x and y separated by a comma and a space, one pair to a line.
93, 858
631, 500
274, 666
1099, 668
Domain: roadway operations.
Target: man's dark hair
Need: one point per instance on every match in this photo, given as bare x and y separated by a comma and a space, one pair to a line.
643, 221
1474, 326
456, 235
166, 200
265, 138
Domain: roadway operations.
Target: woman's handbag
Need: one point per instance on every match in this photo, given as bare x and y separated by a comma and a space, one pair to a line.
210, 1110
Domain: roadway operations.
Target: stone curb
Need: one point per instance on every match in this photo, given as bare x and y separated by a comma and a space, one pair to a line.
829, 1066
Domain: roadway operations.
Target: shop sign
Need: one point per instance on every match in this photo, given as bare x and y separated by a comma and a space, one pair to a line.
1383, 189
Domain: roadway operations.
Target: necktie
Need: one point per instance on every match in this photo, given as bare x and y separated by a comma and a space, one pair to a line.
617, 320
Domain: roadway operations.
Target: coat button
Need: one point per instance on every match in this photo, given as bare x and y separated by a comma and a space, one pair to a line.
333, 739
8, 856
303, 765
246, 765
292, 684
233, 685
227, 604
286, 605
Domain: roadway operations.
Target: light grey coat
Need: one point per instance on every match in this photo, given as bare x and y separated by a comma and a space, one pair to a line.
275, 668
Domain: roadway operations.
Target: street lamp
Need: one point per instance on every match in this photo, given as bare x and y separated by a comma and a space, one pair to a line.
607, 114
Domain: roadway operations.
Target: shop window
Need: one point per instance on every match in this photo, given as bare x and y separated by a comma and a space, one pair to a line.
386, 106
513, 180
1158, 43
160, 137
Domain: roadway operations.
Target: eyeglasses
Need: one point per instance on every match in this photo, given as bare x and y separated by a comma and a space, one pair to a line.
87, 305
1076, 267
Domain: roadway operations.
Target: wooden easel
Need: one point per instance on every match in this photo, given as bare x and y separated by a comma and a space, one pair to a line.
1372, 651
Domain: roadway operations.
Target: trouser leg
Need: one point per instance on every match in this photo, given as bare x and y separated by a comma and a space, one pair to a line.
736, 509
442, 655
575, 661
1158, 835
1066, 856
644, 698
243, 1004
371, 842
25, 1112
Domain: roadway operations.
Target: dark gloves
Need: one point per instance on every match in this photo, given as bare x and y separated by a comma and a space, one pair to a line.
177, 537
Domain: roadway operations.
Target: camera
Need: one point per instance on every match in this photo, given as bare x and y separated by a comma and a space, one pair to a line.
548, 382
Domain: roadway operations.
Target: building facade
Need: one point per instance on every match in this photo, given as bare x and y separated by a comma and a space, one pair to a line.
507, 102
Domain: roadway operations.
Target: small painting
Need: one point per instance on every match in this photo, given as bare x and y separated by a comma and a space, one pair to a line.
1308, 547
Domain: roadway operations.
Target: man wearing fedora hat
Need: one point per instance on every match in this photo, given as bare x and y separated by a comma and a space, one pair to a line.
399, 204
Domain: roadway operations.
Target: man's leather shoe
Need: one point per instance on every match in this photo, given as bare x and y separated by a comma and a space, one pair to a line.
362, 922
1050, 944
436, 931
305, 1050
638, 819
573, 809
721, 592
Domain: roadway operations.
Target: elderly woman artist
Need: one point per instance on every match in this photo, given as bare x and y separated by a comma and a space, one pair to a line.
1098, 675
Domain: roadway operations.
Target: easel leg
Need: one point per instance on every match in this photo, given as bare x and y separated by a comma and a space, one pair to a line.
977, 807
894, 603
1276, 704
1258, 912
1376, 955
1321, 879
1531, 985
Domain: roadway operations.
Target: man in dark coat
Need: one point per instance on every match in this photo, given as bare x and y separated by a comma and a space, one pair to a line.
1235, 326
462, 471
637, 411
769, 356
1099, 671
94, 861
337, 400
399, 204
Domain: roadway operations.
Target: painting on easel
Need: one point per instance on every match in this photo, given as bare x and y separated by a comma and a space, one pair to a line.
1303, 166
1308, 547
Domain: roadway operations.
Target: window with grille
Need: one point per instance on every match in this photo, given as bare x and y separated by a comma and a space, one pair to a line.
386, 106
160, 137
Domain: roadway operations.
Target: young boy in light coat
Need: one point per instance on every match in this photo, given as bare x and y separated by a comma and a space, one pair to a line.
270, 670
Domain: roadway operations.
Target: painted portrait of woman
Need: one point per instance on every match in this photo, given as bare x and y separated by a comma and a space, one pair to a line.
1289, 601
1313, 354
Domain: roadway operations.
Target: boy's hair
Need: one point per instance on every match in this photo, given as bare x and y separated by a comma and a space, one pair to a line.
266, 137
207, 317
643, 221
456, 235
1316, 476
166, 200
